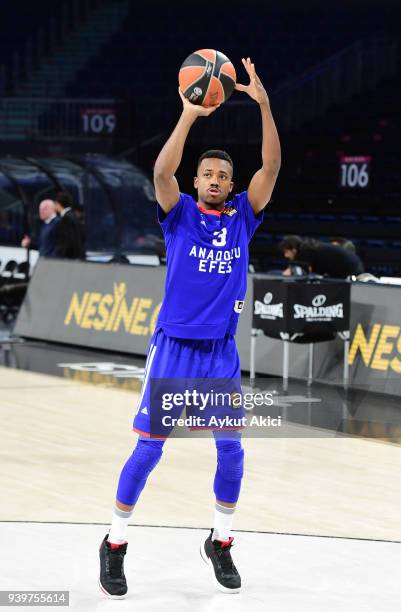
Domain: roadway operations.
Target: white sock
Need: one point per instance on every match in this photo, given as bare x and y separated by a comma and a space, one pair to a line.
223, 520
119, 524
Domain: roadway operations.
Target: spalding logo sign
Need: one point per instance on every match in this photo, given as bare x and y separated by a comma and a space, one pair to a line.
319, 300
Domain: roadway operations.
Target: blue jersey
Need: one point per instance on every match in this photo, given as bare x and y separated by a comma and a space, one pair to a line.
207, 265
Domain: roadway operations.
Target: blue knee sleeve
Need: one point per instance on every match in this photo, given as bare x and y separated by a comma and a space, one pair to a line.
230, 469
135, 472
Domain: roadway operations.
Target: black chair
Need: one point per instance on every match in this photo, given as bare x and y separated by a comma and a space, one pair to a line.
22, 270
9, 269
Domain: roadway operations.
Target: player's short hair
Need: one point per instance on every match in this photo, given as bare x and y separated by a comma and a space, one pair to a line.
219, 153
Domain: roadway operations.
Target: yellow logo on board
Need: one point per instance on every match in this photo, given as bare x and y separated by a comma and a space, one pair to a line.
380, 349
110, 312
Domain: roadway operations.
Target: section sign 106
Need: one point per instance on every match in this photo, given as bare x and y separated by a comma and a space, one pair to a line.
355, 171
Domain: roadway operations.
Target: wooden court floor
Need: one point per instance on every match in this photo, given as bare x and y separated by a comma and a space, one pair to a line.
63, 444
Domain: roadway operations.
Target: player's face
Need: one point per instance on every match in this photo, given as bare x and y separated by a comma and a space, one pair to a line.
214, 181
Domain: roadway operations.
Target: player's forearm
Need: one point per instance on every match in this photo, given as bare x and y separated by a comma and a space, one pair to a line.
271, 150
170, 156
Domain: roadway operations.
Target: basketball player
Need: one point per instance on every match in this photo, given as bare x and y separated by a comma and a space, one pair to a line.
194, 334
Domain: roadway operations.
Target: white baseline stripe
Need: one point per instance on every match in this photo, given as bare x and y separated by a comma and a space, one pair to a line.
147, 372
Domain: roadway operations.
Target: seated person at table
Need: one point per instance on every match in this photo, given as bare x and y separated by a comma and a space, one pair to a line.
344, 243
320, 257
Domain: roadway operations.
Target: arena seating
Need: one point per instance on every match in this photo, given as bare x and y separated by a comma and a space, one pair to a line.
19, 21
308, 199
282, 42
140, 63
142, 59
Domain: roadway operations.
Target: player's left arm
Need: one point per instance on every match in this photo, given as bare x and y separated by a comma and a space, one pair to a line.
263, 181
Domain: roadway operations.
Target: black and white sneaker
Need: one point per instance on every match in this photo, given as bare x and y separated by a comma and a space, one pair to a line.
111, 577
217, 554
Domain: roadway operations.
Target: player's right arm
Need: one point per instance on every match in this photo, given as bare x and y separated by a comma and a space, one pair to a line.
169, 158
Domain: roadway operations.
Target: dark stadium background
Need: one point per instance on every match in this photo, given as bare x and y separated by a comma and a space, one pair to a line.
89, 87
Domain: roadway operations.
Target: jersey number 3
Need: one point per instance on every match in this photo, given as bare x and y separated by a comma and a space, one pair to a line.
221, 237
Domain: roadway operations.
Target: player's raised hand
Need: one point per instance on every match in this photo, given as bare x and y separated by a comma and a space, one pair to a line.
255, 88
196, 109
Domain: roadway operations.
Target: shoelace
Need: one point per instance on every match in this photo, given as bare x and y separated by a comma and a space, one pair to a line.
116, 563
224, 555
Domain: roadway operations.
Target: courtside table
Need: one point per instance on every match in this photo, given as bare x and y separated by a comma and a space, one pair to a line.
302, 310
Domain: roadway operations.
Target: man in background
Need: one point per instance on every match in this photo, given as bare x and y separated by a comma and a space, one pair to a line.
320, 257
69, 239
47, 235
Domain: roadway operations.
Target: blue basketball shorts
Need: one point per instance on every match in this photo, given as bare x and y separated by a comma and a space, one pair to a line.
178, 359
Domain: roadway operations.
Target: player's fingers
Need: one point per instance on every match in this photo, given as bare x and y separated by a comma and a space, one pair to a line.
240, 87
251, 70
246, 63
212, 109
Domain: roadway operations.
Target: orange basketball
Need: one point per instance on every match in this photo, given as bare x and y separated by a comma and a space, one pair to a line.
207, 77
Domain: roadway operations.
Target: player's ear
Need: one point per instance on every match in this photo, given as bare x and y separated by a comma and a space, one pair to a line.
231, 186
196, 182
